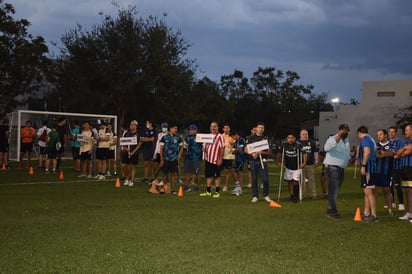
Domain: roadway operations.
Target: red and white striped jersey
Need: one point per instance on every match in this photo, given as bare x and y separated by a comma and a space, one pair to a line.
213, 151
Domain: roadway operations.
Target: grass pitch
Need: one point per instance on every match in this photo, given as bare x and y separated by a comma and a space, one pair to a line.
50, 225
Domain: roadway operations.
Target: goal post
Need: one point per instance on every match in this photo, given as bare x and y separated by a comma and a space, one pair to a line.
19, 118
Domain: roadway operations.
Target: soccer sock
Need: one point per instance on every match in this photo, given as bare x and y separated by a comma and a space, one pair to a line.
217, 189
209, 189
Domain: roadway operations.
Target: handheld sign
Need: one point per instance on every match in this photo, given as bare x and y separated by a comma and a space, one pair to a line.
80, 137
258, 146
205, 138
126, 141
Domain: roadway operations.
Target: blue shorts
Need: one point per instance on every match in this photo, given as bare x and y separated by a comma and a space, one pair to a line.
193, 167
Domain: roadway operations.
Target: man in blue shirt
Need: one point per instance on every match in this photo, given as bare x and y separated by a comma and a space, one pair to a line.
148, 140
337, 150
240, 159
367, 160
193, 158
397, 168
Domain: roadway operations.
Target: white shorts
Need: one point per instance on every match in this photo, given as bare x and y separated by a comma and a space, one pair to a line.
292, 174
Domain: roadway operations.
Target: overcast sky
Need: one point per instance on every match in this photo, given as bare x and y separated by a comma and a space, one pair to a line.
332, 44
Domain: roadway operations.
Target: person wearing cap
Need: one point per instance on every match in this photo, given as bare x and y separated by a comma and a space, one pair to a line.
128, 155
193, 159
311, 151
4, 143
148, 146
171, 150
295, 159
337, 150
367, 160
228, 158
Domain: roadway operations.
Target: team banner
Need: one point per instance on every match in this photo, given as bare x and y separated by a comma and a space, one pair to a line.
257, 146
126, 141
205, 138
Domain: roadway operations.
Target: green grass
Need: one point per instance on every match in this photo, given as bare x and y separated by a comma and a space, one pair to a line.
74, 226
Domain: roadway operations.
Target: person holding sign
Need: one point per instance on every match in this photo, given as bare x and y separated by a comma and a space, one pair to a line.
213, 154
128, 156
258, 161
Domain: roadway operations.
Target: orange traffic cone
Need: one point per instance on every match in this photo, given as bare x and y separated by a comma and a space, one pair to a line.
61, 176
117, 182
357, 217
3, 167
274, 204
180, 193
31, 171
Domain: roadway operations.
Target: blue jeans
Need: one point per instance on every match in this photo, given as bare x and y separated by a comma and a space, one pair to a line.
334, 176
256, 169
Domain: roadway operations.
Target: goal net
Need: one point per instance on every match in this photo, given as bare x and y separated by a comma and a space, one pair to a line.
19, 119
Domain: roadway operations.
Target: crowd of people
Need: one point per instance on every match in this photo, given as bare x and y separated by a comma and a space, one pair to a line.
385, 163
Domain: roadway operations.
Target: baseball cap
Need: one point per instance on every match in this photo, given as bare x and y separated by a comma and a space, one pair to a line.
344, 126
164, 124
192, 126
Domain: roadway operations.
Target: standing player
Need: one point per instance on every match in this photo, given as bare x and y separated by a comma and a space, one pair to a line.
128, 156
4, 143
156, 153
258, 164
149, 141
311, 151
102, 151
213, 161
384, 164
86, 151
52, 139
171, 149
294, 160
193, 159
27, 140
367, 159
405, 154
75, 145
397, 168
42, 142
228, 157
240, 158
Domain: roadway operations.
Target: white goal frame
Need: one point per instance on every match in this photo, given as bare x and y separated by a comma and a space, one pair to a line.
56, 114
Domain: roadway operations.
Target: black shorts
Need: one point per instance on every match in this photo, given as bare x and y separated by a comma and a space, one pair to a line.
85, 156
407, 177
125, 159
26, 147
76, 153
170, 167
239, 165
382, 180
51, 153
4, 146
42, 150
102, 153
367, 181
111, 154
157, 159
396, 177
227, 164
148, 154
212, 170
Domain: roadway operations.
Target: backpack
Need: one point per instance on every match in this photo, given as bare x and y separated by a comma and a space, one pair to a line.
43, 136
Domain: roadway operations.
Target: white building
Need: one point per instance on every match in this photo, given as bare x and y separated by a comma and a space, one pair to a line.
380, 102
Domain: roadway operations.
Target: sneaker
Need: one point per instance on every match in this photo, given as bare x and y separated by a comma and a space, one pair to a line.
393, 205
126, 182
225, 189
131, 183
115, 173
406, 217
385, 207
46, 171
54, 171
254, 200
371, 218
237, 192
267, 199
174, 191
97, 176
89, 176
401, 207
249, 185
390, 213
82, 175
205, 194
108, 174
144, 180
186, 189
216, 195
196, 189
102, 177
364, 216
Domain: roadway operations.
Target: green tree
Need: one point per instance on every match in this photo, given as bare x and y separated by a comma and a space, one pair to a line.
23, 64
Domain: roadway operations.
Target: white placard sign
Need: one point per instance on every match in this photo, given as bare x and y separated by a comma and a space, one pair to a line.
125, 141
258, 146
205, 138
80, 137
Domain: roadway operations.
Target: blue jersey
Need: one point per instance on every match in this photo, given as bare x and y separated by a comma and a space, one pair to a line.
397, 144
194, 150
407, 160
75, 142
241, 156
368, 141
149, 133
171, 145
384, 165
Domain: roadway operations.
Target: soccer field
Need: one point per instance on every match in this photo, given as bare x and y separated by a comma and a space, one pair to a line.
50, 225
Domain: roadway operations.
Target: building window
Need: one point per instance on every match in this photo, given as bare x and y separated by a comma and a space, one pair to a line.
386, 94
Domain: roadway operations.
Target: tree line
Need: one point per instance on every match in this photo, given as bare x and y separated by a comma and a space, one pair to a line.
137, 68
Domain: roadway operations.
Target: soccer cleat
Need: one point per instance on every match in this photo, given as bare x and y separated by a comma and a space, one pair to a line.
401, 207
267, 199
205, 194
126, 182
216, 195
225, 189
406, 217
254, 200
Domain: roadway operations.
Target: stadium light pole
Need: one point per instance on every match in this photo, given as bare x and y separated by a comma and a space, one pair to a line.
335, 102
